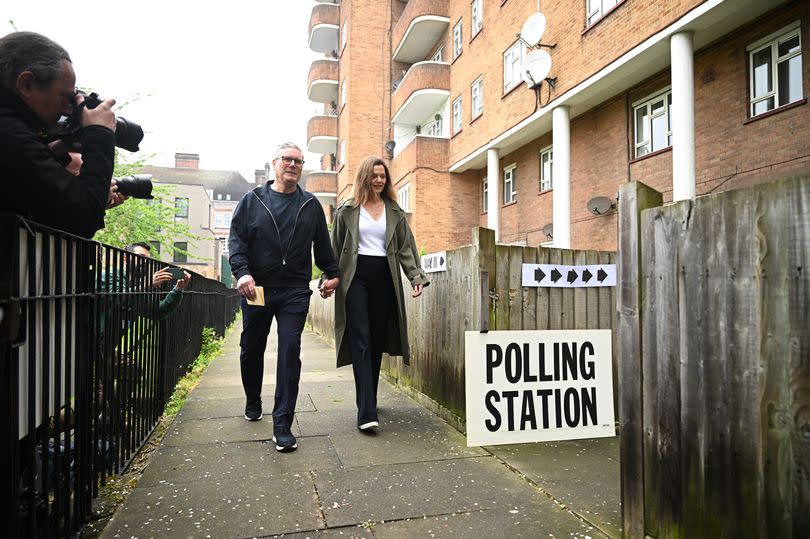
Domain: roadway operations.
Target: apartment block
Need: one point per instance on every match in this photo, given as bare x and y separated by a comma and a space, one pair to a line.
526, 117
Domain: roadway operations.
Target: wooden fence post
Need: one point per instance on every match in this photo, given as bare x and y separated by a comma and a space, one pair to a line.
633, 199
482, 268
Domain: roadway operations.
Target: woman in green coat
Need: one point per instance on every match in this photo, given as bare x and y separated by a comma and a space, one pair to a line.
372, 241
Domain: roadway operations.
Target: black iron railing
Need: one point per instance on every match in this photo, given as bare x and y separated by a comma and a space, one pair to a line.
88, 361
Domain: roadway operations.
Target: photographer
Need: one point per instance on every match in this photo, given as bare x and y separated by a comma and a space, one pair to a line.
37, 86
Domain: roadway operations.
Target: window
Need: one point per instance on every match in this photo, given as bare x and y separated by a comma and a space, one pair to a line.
181, 207
457, 39
457, 115
776, 71
484, 195
343, 36
155, 248
228, 196
434, 128
513, 66
437, 56
342, 151
180, 252
652, 124
546, 160
477, 16
509, 188
219, 196
222, 219
343, 93
476, 93
598, 8
404, 197
223, 245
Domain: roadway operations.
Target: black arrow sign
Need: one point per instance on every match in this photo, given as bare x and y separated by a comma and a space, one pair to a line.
539, 275
601, 275
441, 261
586, 275
555, 275
572, 276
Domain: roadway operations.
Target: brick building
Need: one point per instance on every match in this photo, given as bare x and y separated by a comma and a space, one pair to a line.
689, 96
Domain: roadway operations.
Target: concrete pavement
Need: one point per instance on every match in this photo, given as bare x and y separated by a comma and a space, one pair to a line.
215, 474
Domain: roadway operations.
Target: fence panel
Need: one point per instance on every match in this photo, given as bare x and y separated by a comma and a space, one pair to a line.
723, 340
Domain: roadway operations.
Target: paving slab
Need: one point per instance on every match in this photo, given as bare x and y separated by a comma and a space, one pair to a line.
580, 473
499, 522
232, 407
177, 465
264, 506
398, 492
212, 431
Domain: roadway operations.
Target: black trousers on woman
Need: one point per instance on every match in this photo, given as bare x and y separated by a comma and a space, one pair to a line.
369, 307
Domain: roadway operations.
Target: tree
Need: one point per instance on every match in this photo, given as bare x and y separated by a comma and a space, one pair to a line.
144, 220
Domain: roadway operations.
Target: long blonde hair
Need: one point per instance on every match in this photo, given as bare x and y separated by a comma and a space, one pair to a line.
362, 181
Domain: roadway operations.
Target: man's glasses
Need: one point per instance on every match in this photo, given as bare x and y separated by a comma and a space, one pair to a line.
290, 160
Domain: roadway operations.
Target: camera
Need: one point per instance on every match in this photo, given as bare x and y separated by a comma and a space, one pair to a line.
135, 186
127, 134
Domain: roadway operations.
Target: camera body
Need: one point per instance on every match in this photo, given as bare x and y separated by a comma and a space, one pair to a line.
128, 135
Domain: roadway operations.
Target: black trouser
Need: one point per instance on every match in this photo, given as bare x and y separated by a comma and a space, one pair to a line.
369, 306
289, 306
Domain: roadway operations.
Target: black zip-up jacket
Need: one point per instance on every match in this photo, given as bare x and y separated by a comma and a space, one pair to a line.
35, 185
255, 244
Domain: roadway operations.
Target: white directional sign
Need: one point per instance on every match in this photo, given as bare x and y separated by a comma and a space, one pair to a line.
434, 262
561, 276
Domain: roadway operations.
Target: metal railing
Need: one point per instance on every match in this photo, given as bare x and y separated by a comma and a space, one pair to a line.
88, 361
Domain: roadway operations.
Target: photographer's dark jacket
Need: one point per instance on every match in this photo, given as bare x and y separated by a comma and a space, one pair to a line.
35, 185
257, 250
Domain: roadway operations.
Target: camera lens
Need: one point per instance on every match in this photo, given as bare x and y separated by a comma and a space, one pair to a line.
135, 186
128, 134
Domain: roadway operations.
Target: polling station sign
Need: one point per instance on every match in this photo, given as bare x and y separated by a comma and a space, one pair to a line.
537, 386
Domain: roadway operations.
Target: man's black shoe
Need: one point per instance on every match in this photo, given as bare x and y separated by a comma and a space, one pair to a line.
253, 410
284, 440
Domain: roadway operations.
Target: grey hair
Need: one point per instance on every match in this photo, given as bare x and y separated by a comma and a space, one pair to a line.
284, 145
29, 51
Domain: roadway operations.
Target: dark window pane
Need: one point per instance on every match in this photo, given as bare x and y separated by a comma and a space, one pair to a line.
180, 257
761, 69
790, 80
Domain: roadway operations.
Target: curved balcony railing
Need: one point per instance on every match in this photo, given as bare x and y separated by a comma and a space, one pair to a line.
420, 26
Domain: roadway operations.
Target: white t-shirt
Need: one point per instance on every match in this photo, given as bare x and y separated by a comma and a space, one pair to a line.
372, 234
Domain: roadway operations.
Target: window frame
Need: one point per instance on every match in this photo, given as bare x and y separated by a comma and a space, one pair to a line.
664, 94
438, 55
458, 119
342, 152
772, 42
343, 93
479, 84
344, 37
178, 258
520, 58
511, 171
222, 219
596, 14
458, 40
178, 215
544, 185
476, 22
404, 194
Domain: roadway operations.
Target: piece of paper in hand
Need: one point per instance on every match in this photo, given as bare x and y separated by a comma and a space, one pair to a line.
259, 299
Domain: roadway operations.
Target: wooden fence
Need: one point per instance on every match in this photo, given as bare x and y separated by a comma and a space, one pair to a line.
482, 284
714, 336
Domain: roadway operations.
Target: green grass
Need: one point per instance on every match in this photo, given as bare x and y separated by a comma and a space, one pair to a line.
211, 347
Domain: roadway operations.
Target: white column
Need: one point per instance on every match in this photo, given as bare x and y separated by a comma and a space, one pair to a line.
494, 191
561, 173
683, 119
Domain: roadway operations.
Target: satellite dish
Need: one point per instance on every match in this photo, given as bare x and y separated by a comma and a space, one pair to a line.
548, 230
533, 29
538, 66
600, 205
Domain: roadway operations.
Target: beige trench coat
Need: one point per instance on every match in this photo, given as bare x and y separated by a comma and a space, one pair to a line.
401, 251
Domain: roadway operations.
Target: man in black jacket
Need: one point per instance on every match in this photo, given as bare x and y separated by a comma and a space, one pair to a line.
37, 86
274, 230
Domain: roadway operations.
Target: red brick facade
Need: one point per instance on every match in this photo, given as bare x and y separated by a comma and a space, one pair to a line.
733, 150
